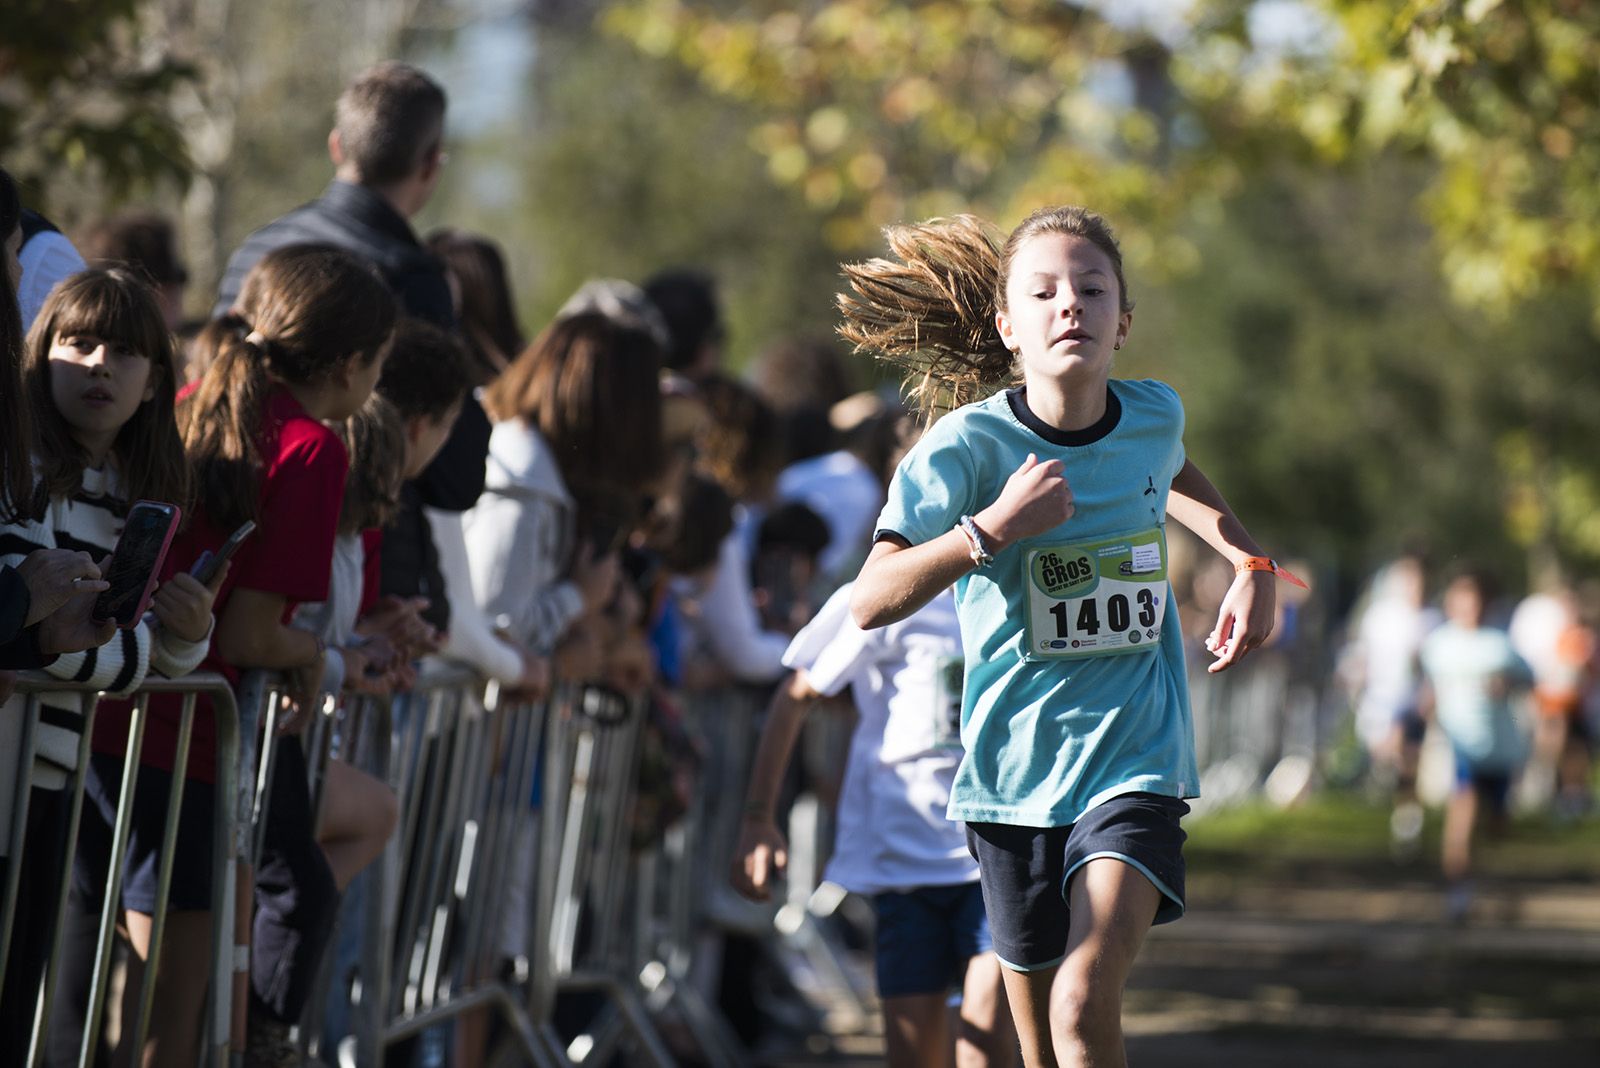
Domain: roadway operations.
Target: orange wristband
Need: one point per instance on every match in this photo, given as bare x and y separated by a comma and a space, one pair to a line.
1267, 563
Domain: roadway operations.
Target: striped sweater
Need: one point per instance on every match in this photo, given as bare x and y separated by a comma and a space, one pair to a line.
90, 521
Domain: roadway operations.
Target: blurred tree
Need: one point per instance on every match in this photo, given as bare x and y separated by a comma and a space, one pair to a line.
1338, 374
878, 111
592, 174
1503, 95
84, 86
882, 110
214, 110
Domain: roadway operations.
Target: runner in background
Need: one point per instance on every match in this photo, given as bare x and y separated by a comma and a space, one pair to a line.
894, 844
1473, 675
1381, 665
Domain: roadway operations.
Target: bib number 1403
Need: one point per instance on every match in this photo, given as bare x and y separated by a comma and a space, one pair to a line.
1119, 614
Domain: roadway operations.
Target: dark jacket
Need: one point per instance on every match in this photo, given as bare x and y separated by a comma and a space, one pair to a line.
19, 645
356, 219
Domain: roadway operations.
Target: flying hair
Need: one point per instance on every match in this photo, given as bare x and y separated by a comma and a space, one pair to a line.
930, 310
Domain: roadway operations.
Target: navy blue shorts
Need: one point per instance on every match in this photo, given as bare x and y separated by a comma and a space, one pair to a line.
191, 865
926, 936
1493, 787
1024, 871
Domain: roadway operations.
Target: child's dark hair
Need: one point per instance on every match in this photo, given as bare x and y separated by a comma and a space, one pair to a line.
689, 529
427, 371
304, 311
16, 473
116, 306
1481, 579
687, 300
589, 386
376, 441
796, 526
142, 240
930, 312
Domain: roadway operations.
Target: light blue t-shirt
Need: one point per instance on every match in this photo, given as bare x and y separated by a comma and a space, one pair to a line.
1473, 673
1075, 689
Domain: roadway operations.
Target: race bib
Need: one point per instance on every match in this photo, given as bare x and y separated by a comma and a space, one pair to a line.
1096, 598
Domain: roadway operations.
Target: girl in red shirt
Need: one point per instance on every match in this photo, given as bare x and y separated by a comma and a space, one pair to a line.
304, 344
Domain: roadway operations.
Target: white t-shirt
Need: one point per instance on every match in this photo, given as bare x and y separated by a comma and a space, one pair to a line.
46, 259
906, 681
1391, 635
845, 493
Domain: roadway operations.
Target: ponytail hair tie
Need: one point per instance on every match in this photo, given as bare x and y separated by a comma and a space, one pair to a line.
255, 338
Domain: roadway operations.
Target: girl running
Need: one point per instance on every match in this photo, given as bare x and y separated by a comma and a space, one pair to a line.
893, 843
1046, 504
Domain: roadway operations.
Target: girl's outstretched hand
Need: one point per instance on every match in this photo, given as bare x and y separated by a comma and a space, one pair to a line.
1245, 619
1036, 498
761, 855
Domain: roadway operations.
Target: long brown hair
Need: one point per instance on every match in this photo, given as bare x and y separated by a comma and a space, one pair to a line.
588, 385
930, 310
488, 316
116, 306
741, 449
16, 473
376, 442
303, 313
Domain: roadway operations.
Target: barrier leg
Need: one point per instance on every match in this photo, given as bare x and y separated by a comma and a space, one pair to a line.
58, 926
169, 841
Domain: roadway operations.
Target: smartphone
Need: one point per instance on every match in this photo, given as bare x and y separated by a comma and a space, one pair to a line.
205, 568
136, 562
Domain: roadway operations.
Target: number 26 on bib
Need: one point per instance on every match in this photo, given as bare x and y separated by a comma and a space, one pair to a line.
1096, 598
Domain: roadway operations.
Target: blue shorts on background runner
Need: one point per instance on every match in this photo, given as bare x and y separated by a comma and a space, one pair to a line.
926, 936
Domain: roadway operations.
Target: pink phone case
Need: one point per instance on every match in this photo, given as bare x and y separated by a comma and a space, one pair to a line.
173, 513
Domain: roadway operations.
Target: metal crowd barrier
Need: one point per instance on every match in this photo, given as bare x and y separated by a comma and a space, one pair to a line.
463, 761
232, 801
621, 931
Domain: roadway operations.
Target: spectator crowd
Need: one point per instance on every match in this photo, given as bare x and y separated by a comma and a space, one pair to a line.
602, 504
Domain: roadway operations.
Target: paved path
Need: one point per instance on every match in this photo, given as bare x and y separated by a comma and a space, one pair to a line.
1336, 972
1340, 969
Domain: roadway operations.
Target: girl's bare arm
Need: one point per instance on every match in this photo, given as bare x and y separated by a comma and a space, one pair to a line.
898, 579
1245, 619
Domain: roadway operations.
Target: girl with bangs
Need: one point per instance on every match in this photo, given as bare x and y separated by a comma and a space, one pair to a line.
100, 377
44, 603
303, 346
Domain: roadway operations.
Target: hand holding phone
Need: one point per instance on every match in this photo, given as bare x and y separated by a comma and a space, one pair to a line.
205, 568
136, 562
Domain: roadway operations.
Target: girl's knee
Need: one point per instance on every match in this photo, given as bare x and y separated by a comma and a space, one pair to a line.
1084, 1008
